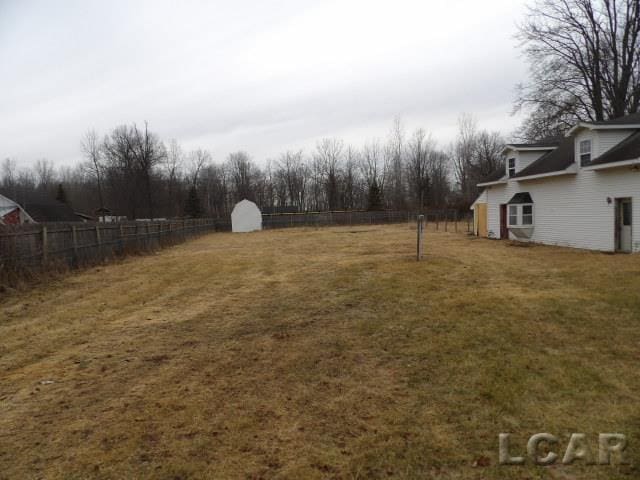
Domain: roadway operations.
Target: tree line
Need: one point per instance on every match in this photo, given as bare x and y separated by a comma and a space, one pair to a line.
131, 172
584, 59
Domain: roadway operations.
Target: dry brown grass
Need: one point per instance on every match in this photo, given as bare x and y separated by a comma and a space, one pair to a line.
322, 353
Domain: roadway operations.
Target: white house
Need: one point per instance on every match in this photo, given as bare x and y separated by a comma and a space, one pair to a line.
246, 217
582, 192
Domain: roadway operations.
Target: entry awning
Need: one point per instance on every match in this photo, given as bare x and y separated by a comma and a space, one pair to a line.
522, 197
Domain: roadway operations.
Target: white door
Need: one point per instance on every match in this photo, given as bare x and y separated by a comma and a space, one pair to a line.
624, 225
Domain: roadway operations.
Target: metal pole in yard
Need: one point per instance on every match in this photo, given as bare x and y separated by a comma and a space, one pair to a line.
420, 237
455, 219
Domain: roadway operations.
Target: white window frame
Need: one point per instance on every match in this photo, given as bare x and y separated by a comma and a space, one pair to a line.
509, 215
583, 152
519, 209
510, 168
522, 215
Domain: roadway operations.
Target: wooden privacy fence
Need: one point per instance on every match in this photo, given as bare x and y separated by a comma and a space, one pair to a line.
40, 246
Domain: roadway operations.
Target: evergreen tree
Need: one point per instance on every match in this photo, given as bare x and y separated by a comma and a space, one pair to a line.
61, 195
374, 200
193, 207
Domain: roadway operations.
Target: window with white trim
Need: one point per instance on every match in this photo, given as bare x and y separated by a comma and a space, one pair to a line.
512, 167
585, 153
513, 215
520, 215
527, 214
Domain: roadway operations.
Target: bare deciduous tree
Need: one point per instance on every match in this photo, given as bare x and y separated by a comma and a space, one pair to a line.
584, 58
92, 151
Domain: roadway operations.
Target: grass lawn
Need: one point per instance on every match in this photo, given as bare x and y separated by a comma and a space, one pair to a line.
321, 353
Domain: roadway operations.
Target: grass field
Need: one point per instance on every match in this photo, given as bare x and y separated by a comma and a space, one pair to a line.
323, 353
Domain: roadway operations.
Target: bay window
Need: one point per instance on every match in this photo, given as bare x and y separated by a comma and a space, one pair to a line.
520, 215
527, 214
513, 215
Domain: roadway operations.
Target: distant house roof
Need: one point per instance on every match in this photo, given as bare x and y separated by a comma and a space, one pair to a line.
45, 209
553, 161
277, 210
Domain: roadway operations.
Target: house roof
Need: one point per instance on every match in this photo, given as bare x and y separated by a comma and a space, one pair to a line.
628, 121
494, 176
553, 161
540, 145
521, 197
631, 119
628, 149
45, 209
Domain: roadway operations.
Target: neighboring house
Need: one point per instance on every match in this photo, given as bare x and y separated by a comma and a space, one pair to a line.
582, 192
44, 209
11, 213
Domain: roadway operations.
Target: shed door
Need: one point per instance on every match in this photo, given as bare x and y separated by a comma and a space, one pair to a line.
504, 231
623, 223
481, 219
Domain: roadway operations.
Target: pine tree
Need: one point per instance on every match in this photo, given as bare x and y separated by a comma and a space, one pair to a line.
61, 196
374, 202
193, 207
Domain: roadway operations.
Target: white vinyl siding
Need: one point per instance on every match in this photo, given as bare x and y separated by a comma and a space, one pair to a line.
572, 210
607, 139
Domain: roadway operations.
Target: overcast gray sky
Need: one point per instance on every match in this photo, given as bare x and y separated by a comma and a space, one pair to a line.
261, 76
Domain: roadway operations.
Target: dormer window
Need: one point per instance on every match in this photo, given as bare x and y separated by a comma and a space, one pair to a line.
512, 167
585, 153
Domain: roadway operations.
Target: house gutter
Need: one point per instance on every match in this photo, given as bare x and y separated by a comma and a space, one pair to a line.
623, 163
489, 184
569, 171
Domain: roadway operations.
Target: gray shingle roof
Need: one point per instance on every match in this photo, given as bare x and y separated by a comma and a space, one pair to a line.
631, 119
628, 149
522, 197
533, 145
494, 176
553, 161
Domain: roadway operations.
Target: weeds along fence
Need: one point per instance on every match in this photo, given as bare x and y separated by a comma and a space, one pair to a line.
49, 246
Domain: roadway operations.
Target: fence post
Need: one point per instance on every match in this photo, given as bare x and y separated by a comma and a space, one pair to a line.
446, 217
74, 239
98, 240
45, 247
121, 231
455, 219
